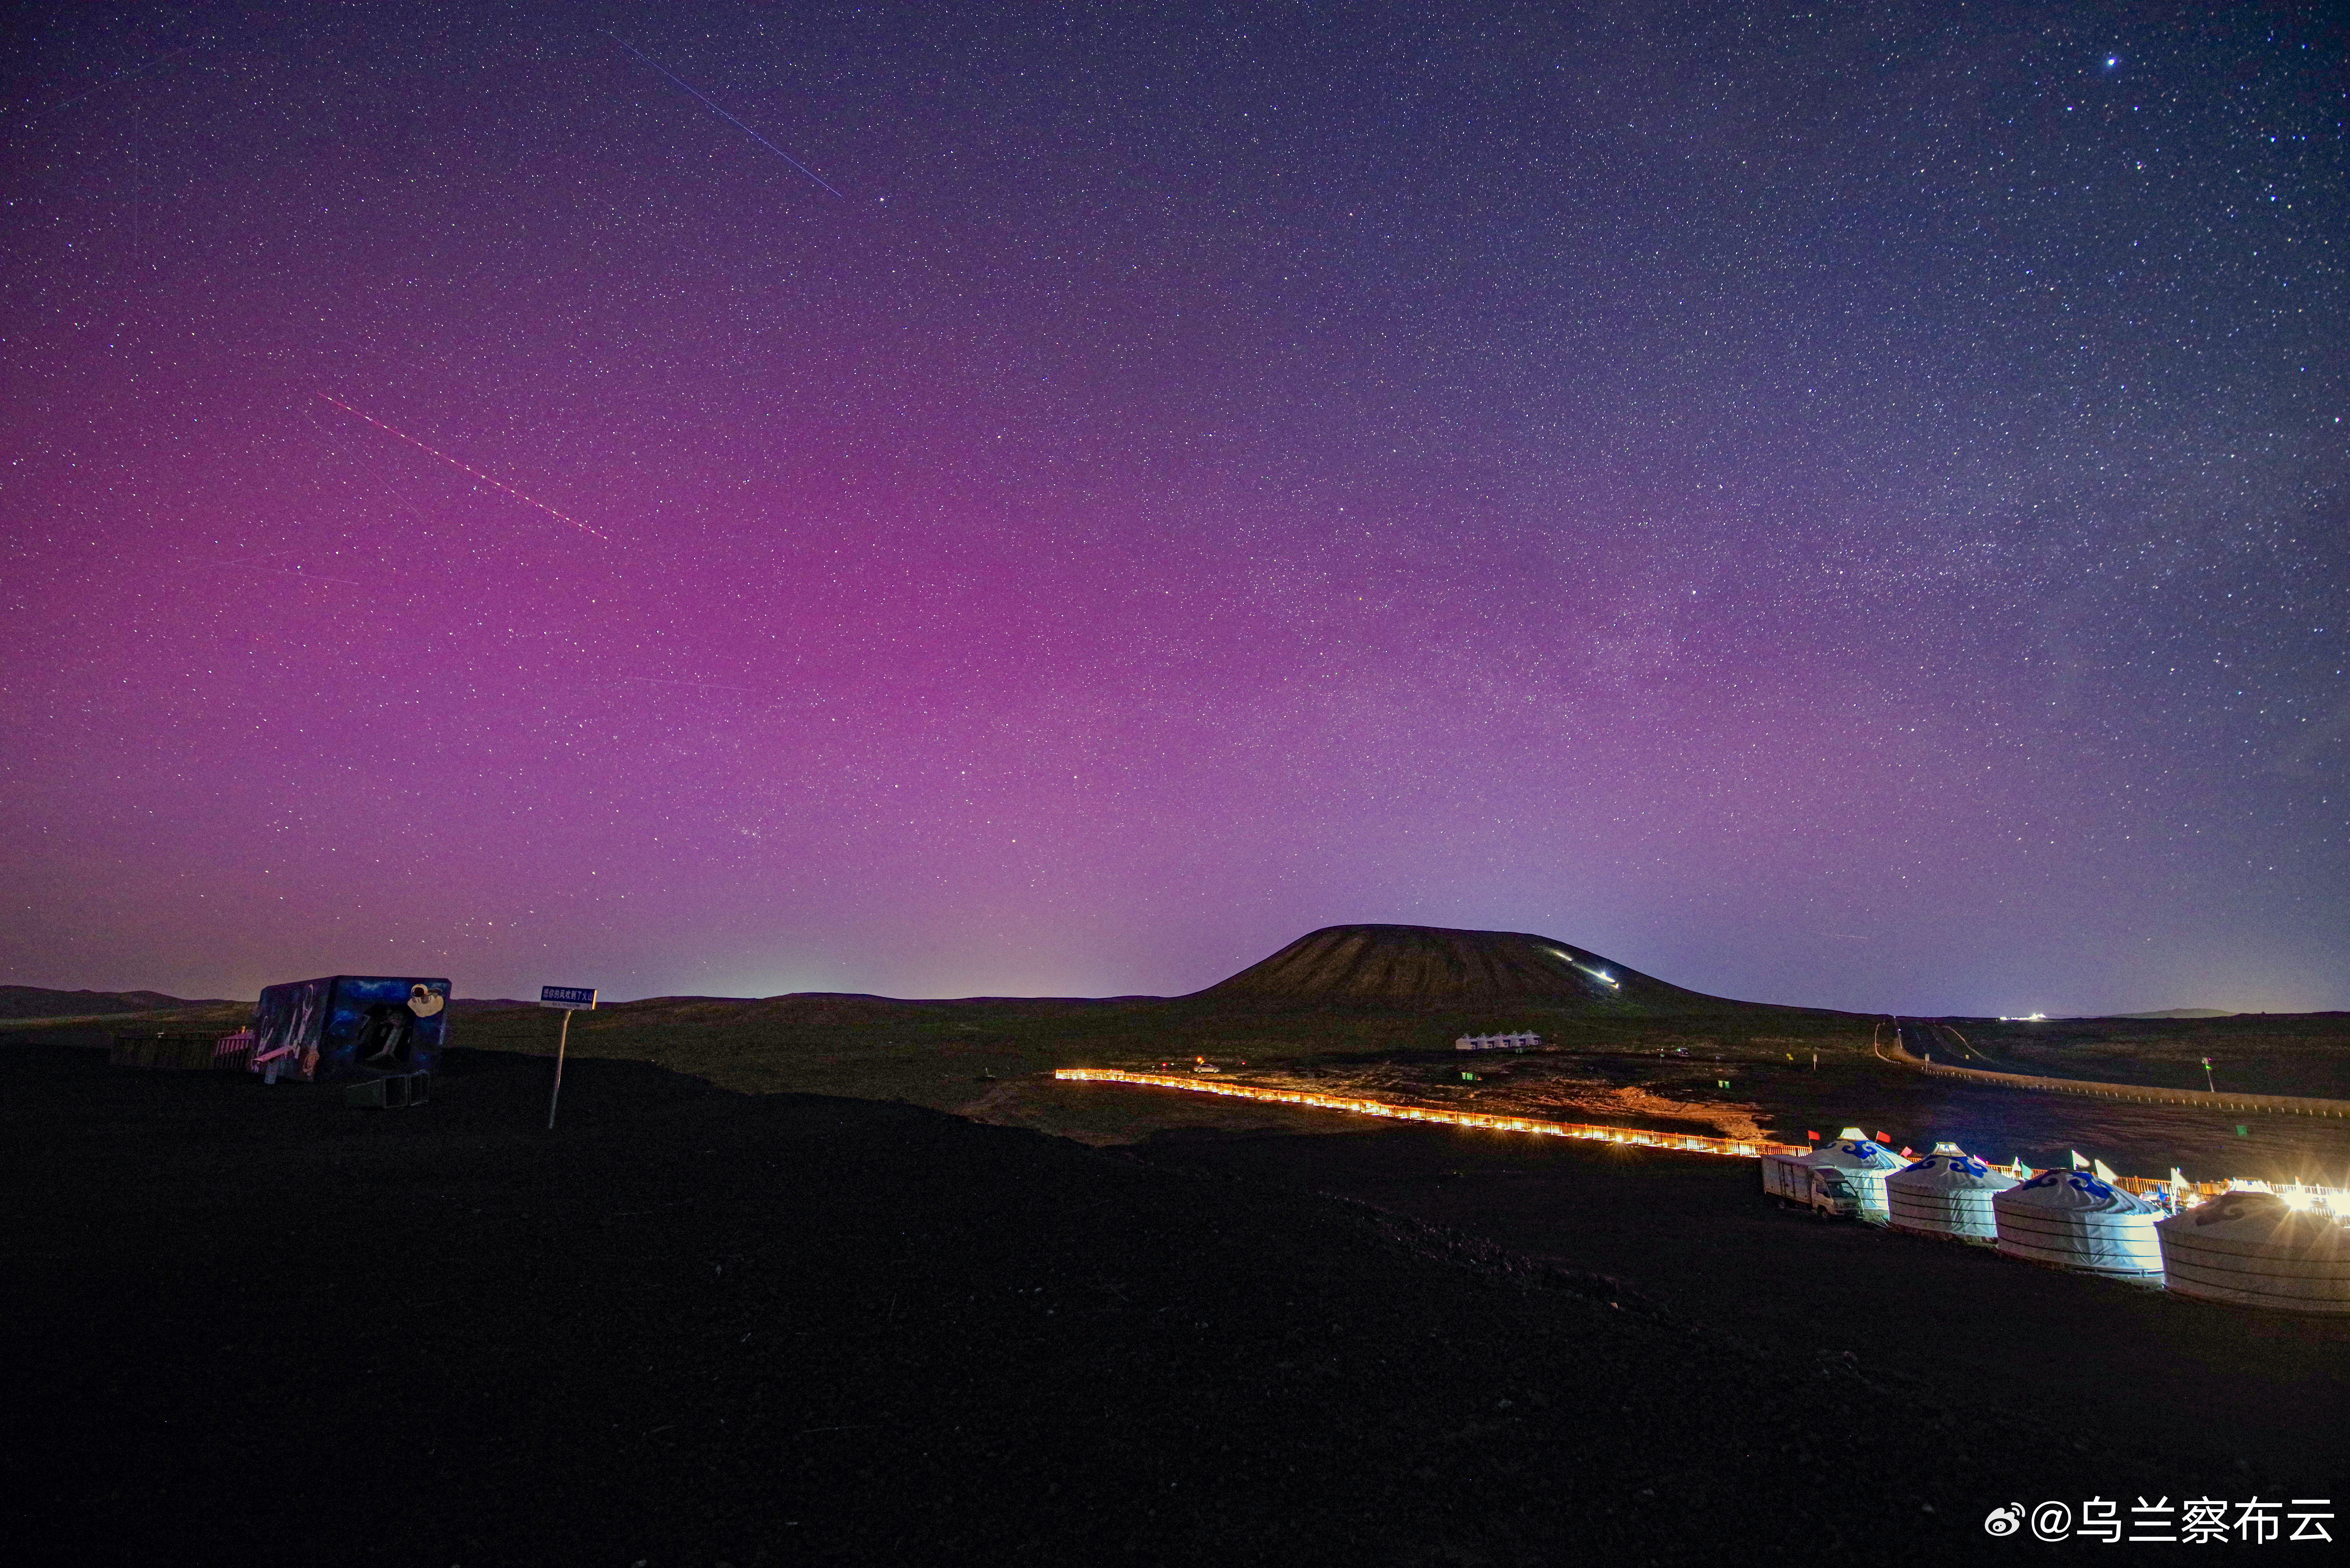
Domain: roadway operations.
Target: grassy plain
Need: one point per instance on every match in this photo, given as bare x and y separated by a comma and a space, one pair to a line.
1788, 1070
946, 1054
95, 1029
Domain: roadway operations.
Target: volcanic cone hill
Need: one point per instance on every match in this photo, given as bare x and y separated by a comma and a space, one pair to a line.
1432, 964
1351, 990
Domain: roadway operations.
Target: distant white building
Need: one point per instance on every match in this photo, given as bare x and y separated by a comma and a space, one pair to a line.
1497, 1042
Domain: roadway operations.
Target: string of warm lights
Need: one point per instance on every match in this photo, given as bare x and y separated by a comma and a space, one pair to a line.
2296, 1195
1748, 1148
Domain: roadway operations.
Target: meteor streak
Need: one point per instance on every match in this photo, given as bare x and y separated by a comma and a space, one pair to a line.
129, 73
468, 468
730, 119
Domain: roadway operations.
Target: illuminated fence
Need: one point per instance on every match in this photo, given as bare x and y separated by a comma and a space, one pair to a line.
1690, 1143
2280, 1104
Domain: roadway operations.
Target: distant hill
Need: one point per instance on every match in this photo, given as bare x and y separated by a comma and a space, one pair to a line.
35, 1002
32, 1001
2182, 1012
1431, 964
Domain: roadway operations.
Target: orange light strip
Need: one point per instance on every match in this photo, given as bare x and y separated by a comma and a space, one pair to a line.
1690, 1143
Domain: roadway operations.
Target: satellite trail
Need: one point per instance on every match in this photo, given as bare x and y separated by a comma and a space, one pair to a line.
464, 468
129, 73
730, 119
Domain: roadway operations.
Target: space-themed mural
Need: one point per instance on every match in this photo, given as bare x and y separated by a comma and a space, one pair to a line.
350, 1026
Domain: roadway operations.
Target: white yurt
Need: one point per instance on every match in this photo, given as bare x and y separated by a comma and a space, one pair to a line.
1847, 1177
2072, 1219
1948, 1193
2251, 1249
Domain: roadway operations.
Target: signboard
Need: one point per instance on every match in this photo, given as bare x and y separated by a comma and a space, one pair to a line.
571, 999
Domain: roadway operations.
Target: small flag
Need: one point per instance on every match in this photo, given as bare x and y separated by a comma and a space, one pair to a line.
1907, 1153
2079, 1163
1884, 1136
1816, 1137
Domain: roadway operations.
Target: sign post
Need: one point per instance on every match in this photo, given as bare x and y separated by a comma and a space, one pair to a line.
571, 999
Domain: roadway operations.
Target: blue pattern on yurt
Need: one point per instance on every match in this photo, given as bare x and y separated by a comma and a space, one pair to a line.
2078, 1180
1964, 1164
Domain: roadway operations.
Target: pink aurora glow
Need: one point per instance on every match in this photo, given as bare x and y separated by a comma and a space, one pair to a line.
1097, 548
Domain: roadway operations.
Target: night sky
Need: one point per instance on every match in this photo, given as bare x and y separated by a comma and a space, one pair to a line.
1838, 505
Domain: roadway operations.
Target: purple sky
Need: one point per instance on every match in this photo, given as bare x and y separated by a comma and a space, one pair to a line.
1840, 511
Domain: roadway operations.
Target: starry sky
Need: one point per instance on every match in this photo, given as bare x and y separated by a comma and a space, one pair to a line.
1839, 505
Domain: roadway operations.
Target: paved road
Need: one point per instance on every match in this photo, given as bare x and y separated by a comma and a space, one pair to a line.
1916, 1041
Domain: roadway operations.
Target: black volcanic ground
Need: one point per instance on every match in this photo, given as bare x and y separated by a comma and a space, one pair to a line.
698, 1326
252, 1325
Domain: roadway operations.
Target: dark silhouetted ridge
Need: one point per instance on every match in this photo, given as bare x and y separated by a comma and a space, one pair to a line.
38, 1002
